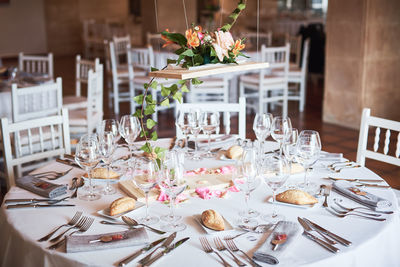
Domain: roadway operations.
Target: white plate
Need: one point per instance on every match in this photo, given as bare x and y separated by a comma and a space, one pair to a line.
197, 218
292, 205
106, 212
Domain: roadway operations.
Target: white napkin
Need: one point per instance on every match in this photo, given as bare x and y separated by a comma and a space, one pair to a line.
370, 200
265, 252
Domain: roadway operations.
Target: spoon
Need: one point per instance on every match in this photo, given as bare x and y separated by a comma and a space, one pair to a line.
259, 229
73, 185
131, 222
78, 183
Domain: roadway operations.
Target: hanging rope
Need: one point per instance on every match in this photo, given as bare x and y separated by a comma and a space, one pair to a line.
184, 10
258, 28
222, 9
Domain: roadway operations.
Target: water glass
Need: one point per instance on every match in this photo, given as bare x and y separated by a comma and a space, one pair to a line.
262, 127
209, 122
194, 124
182, 121
129, 129
280, 130
106, 149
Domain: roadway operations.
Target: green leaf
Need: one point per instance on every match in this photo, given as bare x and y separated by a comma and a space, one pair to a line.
165, 91
154, 84
150, 109
154, 69
146, 85
234, 16
150, 123
138, 114
143, 133
181, 82
188, 52
159, 150
184, 89
180, 50
146, 147
178, 96
154, 136
165, 102
226, 27
175, 37
139, 99
149, 99
171, 61
241, 6
196, 81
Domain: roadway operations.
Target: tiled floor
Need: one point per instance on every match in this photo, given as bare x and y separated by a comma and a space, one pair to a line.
334, 138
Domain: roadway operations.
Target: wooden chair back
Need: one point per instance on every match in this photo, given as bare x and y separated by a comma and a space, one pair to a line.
36, 64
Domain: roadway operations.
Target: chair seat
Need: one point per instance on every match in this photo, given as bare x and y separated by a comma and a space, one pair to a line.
268, 79
74, 102
79, 117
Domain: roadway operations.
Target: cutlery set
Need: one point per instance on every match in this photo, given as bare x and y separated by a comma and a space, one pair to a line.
35, 203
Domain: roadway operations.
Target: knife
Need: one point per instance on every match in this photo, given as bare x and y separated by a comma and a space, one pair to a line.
19, 206
373, 185
34, 200
308, 228
321, 242
339, 239
166, 251
140, 251
68, 162
164, 245
352, 180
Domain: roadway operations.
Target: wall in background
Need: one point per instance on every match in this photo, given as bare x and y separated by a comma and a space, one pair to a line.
22, 27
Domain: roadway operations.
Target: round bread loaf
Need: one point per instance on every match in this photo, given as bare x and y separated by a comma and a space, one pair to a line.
121, 205
295, 196
213, 220
234, 152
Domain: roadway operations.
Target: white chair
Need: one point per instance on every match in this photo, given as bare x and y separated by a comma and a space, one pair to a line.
85, 120
268, 88
226, 108
213, 89
42, 65
120, 44
263, 39
81, 77
377, 153
153, 39
93, 35
59, 140
142, 59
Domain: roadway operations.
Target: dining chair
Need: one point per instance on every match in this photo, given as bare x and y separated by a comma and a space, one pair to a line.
82, 67
263, 39
213, 89
42, 65
85, 120
295, 48
93, 35
376, 151
20, 152
120, 44
153, 39
267, 86
225, 108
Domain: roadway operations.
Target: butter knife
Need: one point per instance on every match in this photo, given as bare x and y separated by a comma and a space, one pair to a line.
339, 239
352, 180
19, 206
316, 239
166, 251
164, 245
140, 251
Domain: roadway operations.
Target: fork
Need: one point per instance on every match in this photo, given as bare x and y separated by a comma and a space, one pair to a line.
208, 249
221, 247
228, 237
338, 163
232, 246
344, 212
54, 173
83, 228
363, 208
347, 166
77, 225
359, 215
72, 222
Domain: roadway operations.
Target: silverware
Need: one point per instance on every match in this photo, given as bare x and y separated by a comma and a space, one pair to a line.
52, 173
114, 223
73, 185
320, 242
78, 184
307, 227
140, 251
166, 251
327, 192
352, 214
373, 185
68, 162
132, 222
164, 245
19, 206
208, 249
228, 237
351, 166
364, 208
338, 163
352, 180
77, 225
339, 239
73, 221
232, 246
221, 247
34, 200
345, 212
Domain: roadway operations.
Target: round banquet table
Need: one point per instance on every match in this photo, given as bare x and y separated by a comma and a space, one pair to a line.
374, 243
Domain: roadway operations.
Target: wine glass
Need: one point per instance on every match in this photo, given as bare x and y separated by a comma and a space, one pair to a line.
182, 121
262, 128
145, 177
129, 129
209, 122
308, 150
111, 125
106, 150
172, 183
246, 179
280, 130
275, 171
290, 146
195, 130
87, 156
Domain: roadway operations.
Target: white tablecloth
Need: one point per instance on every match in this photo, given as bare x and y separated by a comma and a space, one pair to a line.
374, 243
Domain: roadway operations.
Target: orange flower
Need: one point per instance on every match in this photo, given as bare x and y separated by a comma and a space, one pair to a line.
237, 47
165, 38
192, 38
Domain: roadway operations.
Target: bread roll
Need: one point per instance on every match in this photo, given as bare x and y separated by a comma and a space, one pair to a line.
101, 173
213, 220
295, 196
234, 152
121, 205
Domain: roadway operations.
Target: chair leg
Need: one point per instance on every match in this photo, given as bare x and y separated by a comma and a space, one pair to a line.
285, 102
116, 97
302, 95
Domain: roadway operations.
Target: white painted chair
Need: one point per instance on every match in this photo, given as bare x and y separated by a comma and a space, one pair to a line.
295, 49
153, 39
213, 89
42, 65
268, 87
225, 108
263, 39
85, 120
142, 59
18, 153
378, 153
93, 35
120, 44
81, 78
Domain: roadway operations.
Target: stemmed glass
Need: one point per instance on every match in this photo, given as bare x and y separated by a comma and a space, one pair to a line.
280, 130
246, 179
106, 149
275, 171
262, 128
209, 122
129, 129
111, 125
290, 146
87, 156
172, 183
145, 177
195, 129
182, 121
308, 150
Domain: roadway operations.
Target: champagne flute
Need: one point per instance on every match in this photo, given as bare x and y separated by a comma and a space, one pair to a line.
182, 121
106, 149
209, 122
246, 179
87, 156
275, 171
308, 150
280, 130
172, 183
195, 130
262, 128
129, 129
145, 177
